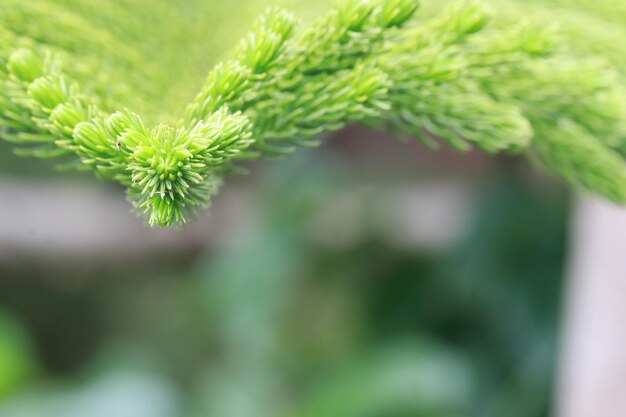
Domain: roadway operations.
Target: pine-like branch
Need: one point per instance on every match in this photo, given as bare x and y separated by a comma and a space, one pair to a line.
453, 77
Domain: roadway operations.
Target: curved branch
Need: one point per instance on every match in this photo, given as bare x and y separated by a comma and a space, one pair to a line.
370, 62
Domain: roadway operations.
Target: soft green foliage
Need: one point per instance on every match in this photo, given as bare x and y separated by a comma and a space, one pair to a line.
16, 363
455, 77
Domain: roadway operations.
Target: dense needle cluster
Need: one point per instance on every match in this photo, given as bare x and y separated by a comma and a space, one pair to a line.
452, 78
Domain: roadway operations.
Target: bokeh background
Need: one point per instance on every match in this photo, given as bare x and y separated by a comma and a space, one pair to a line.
364, 278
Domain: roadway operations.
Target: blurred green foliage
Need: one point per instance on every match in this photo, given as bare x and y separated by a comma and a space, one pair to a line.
16, 360
301, 328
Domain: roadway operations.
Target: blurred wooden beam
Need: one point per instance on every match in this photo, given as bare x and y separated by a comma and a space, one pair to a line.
72, 220
76, 220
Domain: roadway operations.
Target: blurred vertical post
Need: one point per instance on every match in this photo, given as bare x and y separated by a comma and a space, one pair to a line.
592, 377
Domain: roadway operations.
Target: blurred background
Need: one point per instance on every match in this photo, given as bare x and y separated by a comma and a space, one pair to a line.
364, 278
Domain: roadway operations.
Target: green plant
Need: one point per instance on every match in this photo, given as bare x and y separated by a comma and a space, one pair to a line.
454, 77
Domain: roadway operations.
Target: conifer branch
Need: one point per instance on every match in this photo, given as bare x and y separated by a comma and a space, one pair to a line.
454, 77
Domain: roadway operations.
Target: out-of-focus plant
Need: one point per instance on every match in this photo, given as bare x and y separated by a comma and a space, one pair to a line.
306, 329
454, 77
16, 361
319, 331
262, 369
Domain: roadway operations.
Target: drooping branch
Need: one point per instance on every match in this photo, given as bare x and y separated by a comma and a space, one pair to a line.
372, 62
